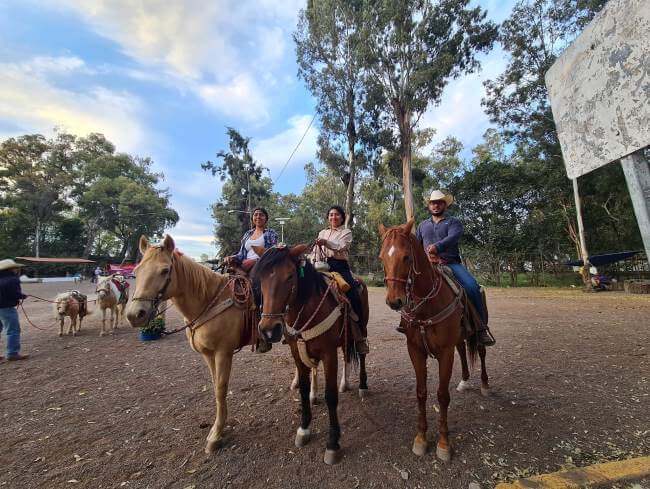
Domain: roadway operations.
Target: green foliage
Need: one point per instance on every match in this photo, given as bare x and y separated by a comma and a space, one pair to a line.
244, 188
72, 196
155, 326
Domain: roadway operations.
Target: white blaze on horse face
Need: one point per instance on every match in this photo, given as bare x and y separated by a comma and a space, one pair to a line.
391, 251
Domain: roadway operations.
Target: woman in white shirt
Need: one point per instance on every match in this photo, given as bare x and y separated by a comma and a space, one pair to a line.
256, 239
335, 242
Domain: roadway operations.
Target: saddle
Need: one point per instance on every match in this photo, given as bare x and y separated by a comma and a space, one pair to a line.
123, 286
471, 318
82, 299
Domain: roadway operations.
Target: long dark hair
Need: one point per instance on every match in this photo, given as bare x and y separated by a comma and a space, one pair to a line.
311, 282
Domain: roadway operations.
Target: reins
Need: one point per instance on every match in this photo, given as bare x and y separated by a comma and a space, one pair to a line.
409, 315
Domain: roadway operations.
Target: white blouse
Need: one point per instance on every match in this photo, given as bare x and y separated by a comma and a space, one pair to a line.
259, 242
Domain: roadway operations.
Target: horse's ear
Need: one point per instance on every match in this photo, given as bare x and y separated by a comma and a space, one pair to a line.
409, 226
297, 250
168, 244
143, 244
382, 229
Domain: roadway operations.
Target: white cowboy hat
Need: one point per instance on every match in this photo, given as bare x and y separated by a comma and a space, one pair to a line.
438, 195
8, 264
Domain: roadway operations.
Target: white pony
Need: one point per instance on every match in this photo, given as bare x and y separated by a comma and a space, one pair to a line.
109, 297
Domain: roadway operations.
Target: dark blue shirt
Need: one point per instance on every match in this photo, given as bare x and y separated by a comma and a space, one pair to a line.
445, 235
10, 293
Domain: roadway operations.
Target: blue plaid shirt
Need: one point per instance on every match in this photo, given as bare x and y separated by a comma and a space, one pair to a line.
270, 240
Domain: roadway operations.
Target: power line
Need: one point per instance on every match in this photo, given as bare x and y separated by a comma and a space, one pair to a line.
296, 148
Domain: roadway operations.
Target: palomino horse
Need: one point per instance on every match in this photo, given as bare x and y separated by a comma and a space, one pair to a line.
433, 314
298, 302
109, 297
66, 304
218, 316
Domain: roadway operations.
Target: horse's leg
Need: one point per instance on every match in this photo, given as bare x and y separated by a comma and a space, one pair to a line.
294, 382
462, 353
330, 367
304, 433
113, 318
73, 326
101, 331
61, 327
445, 367
313, 389
344, 385
363, 377
222, 362
485, 384
419, 361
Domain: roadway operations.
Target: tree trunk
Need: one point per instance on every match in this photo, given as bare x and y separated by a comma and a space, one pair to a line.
405, 134
349, 194
92, 234
37, 243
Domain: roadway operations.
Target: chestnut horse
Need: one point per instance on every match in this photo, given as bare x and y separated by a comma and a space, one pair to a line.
435, 314
218, 316
298, 302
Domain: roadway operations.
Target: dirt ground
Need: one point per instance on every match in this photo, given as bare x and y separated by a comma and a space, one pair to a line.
570, 379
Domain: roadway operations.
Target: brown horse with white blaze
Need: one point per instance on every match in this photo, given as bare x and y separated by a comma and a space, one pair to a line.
218, 319
300, 304
417, 289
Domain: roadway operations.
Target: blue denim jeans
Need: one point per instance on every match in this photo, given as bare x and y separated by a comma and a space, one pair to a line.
9, 321
471, 286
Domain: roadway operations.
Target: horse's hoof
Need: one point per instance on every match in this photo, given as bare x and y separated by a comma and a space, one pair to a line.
463, 385
419, 447
302, 437
444, 454
212, 446
294, 385
363, 393
343, 388
60, 334
332, 457
313, 400
101, 333
485, 391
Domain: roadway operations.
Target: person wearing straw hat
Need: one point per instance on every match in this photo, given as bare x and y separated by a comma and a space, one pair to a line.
440, 235
10, 297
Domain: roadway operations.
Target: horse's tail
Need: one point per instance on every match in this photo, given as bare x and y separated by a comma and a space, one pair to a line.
351, 354
472, 349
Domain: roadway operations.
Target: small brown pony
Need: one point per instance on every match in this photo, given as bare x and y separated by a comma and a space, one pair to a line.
218, 321
418, 289
298, 302
66, 304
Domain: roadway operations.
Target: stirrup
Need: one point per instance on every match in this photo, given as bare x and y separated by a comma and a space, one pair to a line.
485, 337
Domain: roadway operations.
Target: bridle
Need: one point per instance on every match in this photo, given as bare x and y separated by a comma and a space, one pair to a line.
290, 299
158, 298
413, 272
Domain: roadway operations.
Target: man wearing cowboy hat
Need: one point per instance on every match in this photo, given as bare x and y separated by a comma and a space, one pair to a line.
10, 297
440, 235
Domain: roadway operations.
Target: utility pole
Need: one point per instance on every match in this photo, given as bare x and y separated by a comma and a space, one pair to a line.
586, 276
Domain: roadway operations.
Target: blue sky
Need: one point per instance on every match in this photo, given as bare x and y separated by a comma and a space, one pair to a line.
164, 79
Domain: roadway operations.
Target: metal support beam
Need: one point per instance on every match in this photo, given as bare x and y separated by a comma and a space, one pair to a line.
581, 233
637, 176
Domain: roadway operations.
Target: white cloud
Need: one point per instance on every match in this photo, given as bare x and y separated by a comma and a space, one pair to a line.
274, 151
241, 98
460, 113
29, 101
228, 52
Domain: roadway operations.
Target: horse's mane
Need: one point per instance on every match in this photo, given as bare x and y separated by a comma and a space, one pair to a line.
204, 281
309, 284
61, 296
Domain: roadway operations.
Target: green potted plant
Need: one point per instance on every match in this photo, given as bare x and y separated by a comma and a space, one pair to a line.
153, 330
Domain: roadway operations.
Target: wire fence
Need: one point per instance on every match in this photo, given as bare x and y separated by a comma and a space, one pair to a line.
517, 270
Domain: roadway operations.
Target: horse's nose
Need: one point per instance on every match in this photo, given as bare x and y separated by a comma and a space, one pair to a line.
136, 316
274, 334
395, 305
